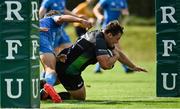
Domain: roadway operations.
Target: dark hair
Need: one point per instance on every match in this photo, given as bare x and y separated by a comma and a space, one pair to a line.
114, 28
52, 12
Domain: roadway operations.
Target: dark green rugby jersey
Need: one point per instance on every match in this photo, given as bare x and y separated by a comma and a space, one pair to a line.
83, 53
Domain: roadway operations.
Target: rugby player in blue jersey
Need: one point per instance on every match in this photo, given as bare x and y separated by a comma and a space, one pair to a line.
62, 40
53, 22
112, 10
95, 46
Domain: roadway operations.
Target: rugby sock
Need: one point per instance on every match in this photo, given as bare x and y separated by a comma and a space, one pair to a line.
98, 68
126, 69
51, 78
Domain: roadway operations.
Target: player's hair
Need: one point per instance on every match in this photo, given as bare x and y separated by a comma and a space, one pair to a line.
114, 28
52, 12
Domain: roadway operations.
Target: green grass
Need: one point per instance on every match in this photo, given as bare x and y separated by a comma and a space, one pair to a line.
114, 89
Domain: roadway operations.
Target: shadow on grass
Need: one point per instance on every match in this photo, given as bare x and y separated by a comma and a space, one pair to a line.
106, 104
114, 102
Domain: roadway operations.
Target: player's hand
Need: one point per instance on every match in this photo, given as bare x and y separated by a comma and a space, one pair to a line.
61, 58
139, 69
42, 29
86, 24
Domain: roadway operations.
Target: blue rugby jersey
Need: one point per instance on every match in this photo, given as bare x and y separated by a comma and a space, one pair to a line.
58, 5
47, 39
112, 9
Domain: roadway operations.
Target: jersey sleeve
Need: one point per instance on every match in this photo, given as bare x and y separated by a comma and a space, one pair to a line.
46, 4
103, 3
124, 4
101, 47
55, 18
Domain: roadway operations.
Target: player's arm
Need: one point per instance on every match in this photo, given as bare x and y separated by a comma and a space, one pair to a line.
97, 12
69, 18
44, 6
43, 29
125, 13
125, 60
42, 12
103, 55
125, 10
107, 61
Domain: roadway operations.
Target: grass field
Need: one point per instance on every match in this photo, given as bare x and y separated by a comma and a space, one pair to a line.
114, 89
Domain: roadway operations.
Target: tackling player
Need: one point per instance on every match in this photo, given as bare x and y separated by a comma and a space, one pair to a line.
112, 10
53, 22
92, 47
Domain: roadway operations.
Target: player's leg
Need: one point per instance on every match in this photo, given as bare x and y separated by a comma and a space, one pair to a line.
74, 85
42, 73
49, 61
61, 47
79, 94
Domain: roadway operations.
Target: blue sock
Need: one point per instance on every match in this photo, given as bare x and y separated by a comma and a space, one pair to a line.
98, 68
127, 69
51, 78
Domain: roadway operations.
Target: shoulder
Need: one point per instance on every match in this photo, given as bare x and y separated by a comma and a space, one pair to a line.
95, 33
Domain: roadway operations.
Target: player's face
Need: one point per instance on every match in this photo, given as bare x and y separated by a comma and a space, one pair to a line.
116, 38
113, 39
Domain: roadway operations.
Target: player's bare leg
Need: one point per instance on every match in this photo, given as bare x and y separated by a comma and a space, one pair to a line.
61, 47
79, 94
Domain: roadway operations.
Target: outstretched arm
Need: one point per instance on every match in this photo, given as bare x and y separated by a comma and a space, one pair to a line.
69, 18
125, 60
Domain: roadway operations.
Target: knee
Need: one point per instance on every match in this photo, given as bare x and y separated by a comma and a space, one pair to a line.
81, 98
50, 69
